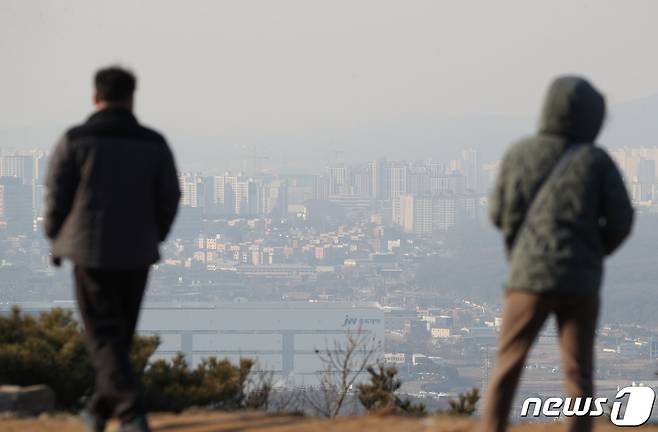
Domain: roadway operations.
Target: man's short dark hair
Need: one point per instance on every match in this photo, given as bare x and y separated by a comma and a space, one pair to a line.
114, 84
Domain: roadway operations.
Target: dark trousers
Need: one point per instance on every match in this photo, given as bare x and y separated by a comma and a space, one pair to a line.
109, 303
524, 314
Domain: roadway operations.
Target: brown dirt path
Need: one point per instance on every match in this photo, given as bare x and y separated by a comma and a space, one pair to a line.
259, 422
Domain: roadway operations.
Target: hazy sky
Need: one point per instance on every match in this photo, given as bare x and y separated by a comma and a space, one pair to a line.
232, 74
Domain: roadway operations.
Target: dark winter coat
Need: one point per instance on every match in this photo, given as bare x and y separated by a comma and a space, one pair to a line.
587, 213
112, 192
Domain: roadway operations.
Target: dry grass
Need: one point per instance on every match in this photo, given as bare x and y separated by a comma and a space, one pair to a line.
258, 422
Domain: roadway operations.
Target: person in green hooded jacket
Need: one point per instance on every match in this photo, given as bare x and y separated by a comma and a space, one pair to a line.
556, 251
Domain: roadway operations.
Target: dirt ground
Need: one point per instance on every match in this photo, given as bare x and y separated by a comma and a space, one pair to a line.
258, 422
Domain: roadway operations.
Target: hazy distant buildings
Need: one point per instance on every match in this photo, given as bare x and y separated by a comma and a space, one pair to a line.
337, 179
207, 195
361, 183
421, 196
416, 214
245, 198
321, 187
398, 187
16, 211
225, 193
418, 181
448, 183
23, 166
489, 174
471, 169
424, 214
444, 212
351, 203
381, 186
30, 169
639, 167
190, 185
398, 179
273, 198
236, 195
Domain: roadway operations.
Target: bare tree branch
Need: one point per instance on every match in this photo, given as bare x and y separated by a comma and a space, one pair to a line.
342, 366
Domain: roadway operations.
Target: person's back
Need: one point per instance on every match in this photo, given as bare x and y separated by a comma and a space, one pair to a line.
562, 206
586, 213
122, 190
112, 195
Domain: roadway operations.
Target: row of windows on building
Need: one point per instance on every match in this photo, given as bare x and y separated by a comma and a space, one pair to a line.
21, 190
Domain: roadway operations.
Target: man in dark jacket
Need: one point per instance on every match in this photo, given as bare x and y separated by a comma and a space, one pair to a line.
556, 253
112, 195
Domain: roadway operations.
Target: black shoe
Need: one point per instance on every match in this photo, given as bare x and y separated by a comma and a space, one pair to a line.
137, 424
91, 422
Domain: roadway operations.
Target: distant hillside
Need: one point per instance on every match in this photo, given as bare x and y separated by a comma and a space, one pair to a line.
633, 123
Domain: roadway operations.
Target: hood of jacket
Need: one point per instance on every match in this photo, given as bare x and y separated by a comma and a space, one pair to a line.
573, 109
